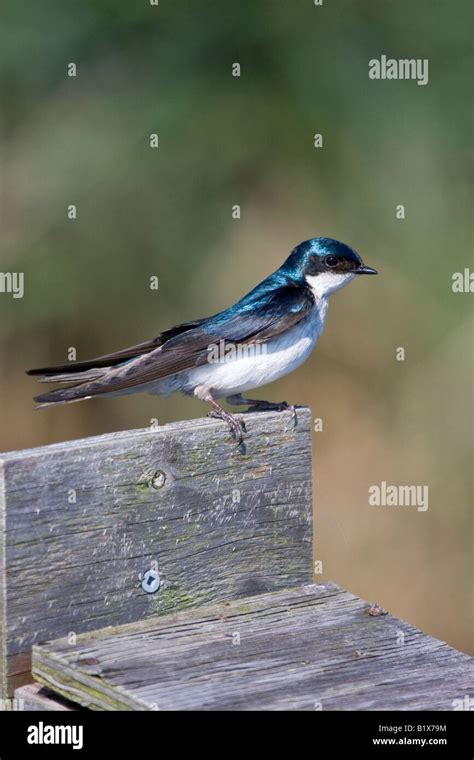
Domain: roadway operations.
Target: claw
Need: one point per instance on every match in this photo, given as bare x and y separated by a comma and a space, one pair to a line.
237, 427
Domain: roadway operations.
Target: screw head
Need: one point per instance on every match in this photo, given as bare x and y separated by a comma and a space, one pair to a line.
151, 581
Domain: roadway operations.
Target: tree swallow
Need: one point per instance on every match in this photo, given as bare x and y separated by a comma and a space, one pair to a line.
265, 335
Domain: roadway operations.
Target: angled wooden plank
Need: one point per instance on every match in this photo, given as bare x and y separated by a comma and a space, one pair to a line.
81, 522
311, 648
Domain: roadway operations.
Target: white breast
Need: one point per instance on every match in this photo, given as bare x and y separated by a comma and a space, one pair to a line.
282, 355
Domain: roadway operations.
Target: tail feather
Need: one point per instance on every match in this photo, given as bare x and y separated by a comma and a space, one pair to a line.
45, 404
107, 361
75, 377
63, 396
100, 362
76, 392
91, 377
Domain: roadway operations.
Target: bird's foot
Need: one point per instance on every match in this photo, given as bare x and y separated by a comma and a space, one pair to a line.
272, 406
262, 406
269, 406
236, 426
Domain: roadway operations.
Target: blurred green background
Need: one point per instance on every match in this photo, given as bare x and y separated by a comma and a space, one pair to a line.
167, 212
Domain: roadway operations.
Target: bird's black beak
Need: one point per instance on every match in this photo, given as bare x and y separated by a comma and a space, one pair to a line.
366, 270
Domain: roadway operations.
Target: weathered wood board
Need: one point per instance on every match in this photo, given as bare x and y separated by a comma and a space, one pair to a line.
82, 521
311, 648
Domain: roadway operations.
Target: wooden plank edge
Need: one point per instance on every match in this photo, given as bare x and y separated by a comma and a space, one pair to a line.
45, 672
171, 428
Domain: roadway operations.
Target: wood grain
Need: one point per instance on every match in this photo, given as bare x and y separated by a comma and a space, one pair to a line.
81, 521
312, 648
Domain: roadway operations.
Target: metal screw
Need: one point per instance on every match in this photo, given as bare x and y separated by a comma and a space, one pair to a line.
159, 479
151, 581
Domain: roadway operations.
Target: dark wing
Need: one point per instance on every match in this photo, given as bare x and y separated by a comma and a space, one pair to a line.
118, 357
256, 319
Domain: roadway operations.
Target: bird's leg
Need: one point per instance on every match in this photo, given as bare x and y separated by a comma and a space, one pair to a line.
261, 406
237, 426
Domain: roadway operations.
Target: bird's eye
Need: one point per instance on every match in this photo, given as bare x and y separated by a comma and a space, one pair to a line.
331, 261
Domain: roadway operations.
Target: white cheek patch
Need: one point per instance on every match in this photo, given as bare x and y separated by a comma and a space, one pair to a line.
327, 283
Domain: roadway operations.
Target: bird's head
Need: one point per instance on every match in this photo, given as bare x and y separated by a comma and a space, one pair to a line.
325, 264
